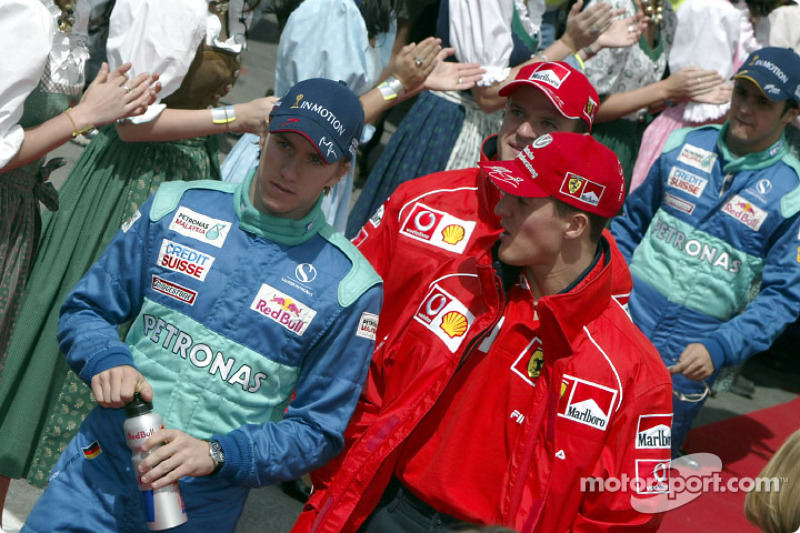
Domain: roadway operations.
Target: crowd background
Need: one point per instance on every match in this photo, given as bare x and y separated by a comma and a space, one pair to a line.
773, 374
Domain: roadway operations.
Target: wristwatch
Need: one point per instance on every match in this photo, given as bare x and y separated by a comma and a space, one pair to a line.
217, 455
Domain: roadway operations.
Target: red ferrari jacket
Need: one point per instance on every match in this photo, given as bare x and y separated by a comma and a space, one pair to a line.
434, 219
601, 407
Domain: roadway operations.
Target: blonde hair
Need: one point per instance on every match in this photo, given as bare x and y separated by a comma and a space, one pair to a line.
778, 511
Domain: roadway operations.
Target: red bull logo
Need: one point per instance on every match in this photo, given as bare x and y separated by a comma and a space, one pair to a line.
287, 305
745, 212
747, 208
282, 309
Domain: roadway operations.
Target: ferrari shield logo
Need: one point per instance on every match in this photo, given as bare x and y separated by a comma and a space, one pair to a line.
535, 363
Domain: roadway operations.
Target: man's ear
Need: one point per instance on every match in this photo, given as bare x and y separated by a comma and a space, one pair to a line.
341, 170
790, 115
578, 225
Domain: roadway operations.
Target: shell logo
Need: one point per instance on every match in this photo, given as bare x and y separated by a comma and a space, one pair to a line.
454, 324
453, 234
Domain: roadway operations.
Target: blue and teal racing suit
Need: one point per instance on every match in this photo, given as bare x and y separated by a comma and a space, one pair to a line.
713, 246
233, 311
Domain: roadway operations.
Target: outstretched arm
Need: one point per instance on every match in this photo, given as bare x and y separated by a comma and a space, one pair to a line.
110, 96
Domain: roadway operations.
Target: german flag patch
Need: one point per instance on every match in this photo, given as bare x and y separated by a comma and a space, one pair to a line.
91, 451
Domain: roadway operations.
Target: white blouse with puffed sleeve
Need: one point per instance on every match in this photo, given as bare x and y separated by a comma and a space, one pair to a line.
159, 36
32, 44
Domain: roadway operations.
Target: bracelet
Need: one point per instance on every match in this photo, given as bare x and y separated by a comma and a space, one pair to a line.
541, 56
223, 115
391, 88
75, 130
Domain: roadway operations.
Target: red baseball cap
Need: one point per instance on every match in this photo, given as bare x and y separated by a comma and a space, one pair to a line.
570, 167
568, 89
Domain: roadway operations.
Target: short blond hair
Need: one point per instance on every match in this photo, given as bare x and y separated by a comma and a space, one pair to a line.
778, 511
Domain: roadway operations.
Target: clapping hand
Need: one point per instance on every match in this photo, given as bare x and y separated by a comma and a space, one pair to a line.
415, 62
584, 27
690, 83
624, 32
451, 76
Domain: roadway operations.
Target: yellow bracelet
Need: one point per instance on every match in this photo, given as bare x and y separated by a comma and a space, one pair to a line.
223, 115
75, 130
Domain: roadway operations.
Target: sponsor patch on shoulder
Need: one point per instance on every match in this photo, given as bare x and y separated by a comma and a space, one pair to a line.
375, 219
173, 290
654, 432
367, 326
280, 308
653, 476
360, 238
686, 181
586, 402
445, 316
679, 203
200, 227
437, 228
745, 212
697, 157
131, 221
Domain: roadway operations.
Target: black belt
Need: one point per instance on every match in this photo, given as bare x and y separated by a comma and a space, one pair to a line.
404, 494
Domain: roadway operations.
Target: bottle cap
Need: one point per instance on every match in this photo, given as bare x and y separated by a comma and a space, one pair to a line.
137, 406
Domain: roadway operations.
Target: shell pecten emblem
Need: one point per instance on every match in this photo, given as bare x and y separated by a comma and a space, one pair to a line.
453, 234
454, 324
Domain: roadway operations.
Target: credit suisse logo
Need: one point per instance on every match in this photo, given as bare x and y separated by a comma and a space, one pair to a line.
686, 181
188, 261
437, 228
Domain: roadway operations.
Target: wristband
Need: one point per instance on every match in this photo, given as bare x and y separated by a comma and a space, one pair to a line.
75, 130
391, 88
223, 115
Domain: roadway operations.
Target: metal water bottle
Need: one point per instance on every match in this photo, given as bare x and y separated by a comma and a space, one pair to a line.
163, 507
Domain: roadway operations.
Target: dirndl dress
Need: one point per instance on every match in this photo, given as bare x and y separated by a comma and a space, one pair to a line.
42, 402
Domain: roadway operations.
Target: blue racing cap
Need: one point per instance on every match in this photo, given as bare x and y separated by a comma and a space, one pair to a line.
325, 112
775, 70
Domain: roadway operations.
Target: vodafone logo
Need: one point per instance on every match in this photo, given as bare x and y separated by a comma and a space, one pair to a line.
433, 306
423, 222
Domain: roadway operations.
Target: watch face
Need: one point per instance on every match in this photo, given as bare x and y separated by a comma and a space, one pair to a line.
216, 452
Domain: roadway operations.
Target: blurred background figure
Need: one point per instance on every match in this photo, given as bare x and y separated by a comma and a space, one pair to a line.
777, 511
631, 81
195, 46
724, 32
